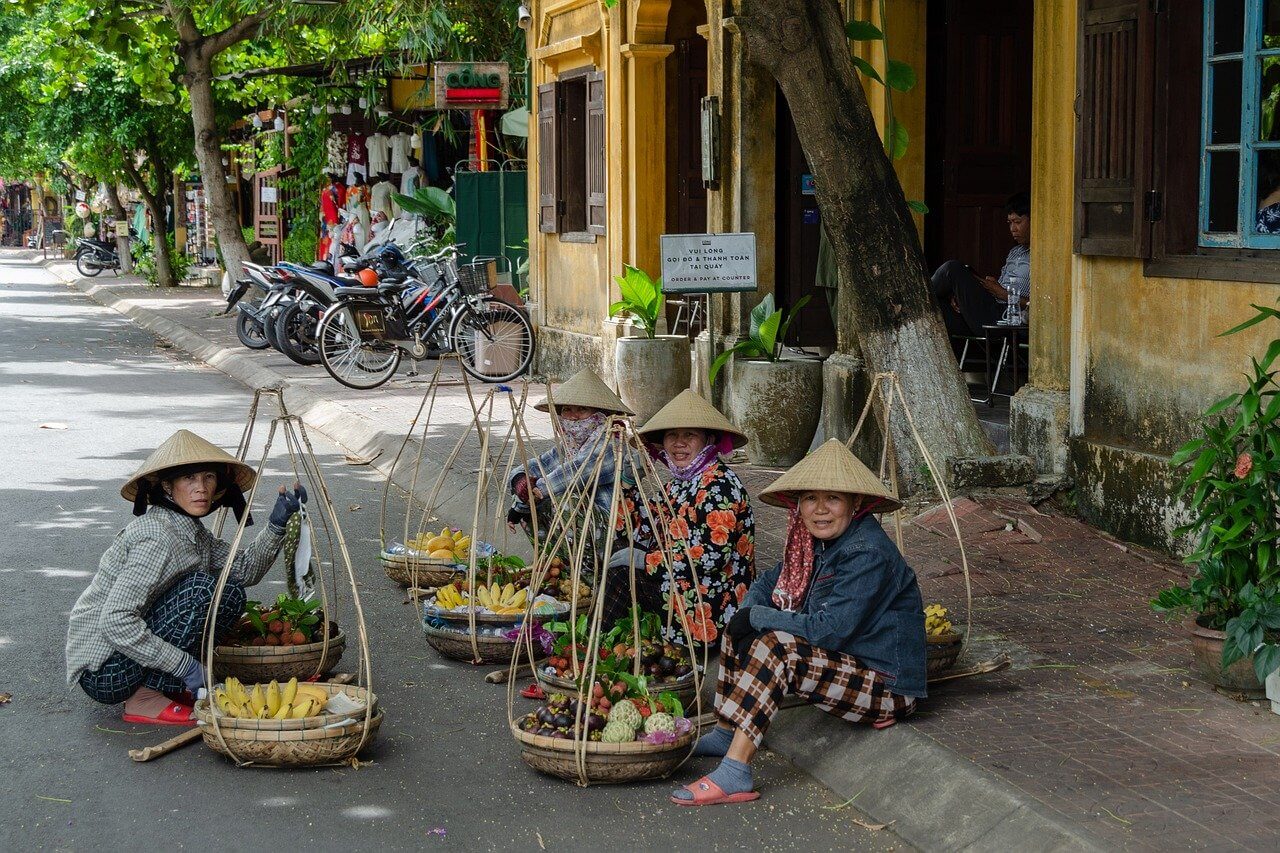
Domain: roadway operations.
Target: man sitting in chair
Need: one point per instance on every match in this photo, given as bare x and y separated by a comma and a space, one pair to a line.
968, 302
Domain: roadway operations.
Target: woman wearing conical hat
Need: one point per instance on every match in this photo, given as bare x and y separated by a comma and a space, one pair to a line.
711, 534
582, 408
839, 622
135, 633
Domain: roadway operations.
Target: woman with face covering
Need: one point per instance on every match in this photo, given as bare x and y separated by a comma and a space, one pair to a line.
135, 634
839, 622
583, 406
711, 534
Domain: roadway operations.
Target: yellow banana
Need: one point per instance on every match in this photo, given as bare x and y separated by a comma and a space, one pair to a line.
290, 691
282, 713
257, 701
303, 709
245, 711
521, 598
273, 697
508, 593
310, 691
482, 593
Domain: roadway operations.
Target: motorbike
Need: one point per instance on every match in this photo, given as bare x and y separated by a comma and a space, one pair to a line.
254, 324
94, 256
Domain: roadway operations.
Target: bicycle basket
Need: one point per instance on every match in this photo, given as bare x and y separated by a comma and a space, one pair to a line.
477, 278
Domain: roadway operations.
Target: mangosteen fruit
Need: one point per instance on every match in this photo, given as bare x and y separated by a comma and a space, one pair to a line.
667, 664
563, 721
682, 670
653, 670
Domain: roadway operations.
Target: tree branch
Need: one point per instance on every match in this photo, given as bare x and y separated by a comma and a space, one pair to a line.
237, 32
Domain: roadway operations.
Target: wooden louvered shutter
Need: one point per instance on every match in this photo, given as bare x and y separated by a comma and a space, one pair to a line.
597, 177
548, 188
1115, 100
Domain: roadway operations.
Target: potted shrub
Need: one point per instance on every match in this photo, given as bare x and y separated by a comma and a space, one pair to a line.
1234, 598
650, 369
776, 401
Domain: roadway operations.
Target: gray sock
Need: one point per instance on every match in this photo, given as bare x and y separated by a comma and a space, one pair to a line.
715, 742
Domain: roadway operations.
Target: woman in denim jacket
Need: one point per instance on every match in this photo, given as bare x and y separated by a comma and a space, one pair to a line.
839, 622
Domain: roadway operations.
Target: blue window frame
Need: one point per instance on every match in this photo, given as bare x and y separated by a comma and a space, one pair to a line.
1240, 139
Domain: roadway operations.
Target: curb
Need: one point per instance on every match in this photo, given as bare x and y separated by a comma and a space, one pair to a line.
933, 798
362, 437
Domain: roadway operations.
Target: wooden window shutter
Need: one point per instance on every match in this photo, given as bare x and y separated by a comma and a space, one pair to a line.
1115, 99
597, 175
548, 195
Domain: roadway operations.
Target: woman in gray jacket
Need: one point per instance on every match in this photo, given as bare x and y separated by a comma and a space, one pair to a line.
839, 622
135, 633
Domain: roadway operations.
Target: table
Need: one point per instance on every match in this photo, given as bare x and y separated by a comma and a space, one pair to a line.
1010, 338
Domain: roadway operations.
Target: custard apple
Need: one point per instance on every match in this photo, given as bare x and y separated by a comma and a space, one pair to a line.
625, 712
618, 732
660, 723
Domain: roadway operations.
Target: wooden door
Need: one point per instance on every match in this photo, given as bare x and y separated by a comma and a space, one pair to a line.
978, 127
691, 87
799, 227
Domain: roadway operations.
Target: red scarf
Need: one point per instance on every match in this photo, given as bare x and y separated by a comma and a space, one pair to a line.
797, 563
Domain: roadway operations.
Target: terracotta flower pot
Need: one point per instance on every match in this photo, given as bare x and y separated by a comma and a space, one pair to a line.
1206, 646
650, 372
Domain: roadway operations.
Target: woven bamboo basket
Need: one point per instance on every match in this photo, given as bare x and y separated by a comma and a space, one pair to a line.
455, 645
263, 663
607, 763
292, 743
682, 687
419, 571
486, 619
943, 651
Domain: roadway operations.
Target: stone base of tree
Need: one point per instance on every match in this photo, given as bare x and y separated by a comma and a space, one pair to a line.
1039, 426
989, 471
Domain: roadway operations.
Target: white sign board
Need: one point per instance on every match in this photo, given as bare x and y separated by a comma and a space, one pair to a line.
269, 195
708, 263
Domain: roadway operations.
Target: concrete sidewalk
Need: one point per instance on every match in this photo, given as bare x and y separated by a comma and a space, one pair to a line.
1098, 737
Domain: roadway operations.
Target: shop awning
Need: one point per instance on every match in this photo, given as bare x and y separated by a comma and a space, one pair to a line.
319, 69
516, 122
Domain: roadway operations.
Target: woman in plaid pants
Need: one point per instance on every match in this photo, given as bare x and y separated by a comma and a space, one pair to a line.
839, 622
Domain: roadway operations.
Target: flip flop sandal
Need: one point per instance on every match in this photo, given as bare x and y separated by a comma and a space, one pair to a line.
708, 793
534, 691
176, 714
884, 724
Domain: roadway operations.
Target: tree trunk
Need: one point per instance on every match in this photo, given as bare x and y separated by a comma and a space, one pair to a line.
154, 200
122, 243
222, 207
898, 329
113, 197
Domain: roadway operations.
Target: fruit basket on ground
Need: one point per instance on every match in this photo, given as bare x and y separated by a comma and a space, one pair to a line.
429, 559
944, 642
486, 631
629, 734
292, 724
666, 666
282, 640
297, 732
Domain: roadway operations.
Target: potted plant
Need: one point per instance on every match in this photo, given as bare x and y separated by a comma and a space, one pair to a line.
775, 400
650, 369
1234, 597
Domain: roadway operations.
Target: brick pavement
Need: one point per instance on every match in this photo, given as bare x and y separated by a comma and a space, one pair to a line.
1099, 719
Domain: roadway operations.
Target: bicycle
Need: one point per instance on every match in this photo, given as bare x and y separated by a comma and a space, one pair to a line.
364, 335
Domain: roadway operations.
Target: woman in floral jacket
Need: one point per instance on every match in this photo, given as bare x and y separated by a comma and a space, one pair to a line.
709, 529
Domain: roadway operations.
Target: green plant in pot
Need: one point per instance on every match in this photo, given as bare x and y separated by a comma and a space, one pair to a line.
777, 401
1231, 492
650, 369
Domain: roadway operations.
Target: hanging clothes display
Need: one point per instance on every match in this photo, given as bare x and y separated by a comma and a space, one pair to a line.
377, 148
430, 163
356, 231
332, 198
411, 177
357, 161
381, 199
336, 154
400, 150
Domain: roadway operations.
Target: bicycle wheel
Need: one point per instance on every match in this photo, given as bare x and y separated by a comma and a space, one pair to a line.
296, 332
250, 332
86, 265
494, 340
352, 361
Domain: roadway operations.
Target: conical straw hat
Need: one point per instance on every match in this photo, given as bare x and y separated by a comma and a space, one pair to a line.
688, 410
187, 448
830, 468
584, 388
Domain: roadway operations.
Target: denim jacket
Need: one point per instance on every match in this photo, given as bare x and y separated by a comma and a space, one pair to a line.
863, 601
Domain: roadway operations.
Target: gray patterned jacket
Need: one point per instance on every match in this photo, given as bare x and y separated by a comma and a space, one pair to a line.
145, 559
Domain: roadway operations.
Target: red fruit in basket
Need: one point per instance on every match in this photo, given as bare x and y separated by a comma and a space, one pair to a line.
259, 641
597, 690
276, 626
299, 638
605, 705
272, 639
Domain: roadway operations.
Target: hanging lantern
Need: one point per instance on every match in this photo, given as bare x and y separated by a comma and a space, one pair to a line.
330, 109
364, 102
346, 109
278, 124
257, 122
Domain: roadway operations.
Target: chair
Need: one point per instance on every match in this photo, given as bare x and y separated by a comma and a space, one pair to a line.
693, 315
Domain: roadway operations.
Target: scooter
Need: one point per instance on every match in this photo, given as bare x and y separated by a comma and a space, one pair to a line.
94, 256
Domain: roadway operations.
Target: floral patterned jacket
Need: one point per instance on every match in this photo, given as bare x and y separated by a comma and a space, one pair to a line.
712, 536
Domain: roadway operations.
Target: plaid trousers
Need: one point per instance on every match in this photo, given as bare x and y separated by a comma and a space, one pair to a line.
177, 617
777, 663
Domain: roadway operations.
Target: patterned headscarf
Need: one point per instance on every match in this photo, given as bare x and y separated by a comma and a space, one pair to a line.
797, 562
717, 446
578, 434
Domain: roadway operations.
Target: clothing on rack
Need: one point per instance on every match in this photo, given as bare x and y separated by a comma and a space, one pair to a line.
357, 162
409, 180
377, 148
336, 153
400, 150
381, 198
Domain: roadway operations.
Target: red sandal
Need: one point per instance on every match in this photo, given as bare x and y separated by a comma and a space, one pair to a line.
176, 714
708, 793
534, 691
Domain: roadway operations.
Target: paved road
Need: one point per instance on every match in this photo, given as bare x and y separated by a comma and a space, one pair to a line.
444, 772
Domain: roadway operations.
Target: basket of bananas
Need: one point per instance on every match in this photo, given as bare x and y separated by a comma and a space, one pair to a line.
294, 724
944, 642
499, 610
428, 559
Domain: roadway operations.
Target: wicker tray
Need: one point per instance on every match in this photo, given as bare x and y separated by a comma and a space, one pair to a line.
457, 646
263, 663
607, 763
682, 687
943, 651
461, 616
421, 572
291, 743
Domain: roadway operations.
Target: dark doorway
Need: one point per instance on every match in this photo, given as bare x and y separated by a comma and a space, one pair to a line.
978, 127
799, 227
686, 196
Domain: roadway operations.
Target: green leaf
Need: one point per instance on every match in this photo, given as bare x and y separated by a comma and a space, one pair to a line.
791, 315
759, 314
1222, 405
900, 75
767, 340
918, 207
896, 140
868, 69
1249, 407
863, 31
1207, 458
1263, 313
1266, 661
1273, 352
1185, 452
